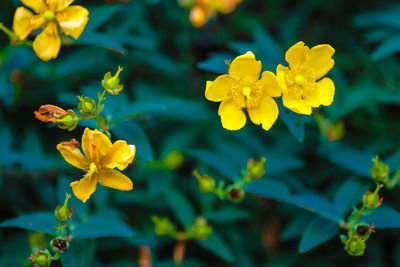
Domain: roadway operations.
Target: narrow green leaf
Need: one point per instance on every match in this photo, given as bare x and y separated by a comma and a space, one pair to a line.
266, 187
294, 121
349, 195
41, 221
216, 63
217, 246
180, 206
95, 228
383, 217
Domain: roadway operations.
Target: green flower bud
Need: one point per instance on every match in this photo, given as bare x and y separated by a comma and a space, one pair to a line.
355, 246
86, 106
379, 171
163, 226
206, 183
64, 213
68, 122
59, 245
363, 230
41, 258
200, 229
111, 83
256, 169
235, 193
173, 160
372, 199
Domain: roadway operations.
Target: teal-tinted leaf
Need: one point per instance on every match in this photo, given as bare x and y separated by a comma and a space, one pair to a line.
280, 162
217, 246
357, 161
266, 187
383, 217
349, 195
102, 40
388, 17
296, 226
95, 228
389, 46
99, 14
216, 63
227, 214
180, 206
317, 232
131, 132
294, 121
79, 254
316, 204
41, 221
271, 53
134, 109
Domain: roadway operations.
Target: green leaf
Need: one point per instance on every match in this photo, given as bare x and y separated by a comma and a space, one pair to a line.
349, 195
180, 206
294, 121
41, 221
389, 46
383, 217
95, 228
317, 232
217, 246
216, 63
134, 109
80, 254
266, 187
131, 132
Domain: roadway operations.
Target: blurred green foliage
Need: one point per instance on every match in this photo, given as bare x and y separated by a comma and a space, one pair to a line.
287, 217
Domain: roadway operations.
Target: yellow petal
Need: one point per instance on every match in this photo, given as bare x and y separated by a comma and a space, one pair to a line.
245, 67
324, 93
62, 4
95, 145
120, 155
270, 84
85, 187
72, 20
47, 44
232, 117
297, 105
320, 60
25, 22
265, 113
296, 55
36, 5
72, 155
217, 90
114, 179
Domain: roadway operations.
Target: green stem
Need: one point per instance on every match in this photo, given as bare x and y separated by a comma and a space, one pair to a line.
354, 221
60, 228
7, 31
392, 183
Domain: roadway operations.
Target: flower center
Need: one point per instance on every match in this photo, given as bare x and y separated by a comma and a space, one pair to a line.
246, 91
299, 79
49, 15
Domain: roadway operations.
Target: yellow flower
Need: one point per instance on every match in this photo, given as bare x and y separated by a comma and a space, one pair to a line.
242, 88
99, 160
301, 90
49, 14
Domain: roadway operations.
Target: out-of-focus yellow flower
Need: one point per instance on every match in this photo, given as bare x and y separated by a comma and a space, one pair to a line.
301, 90
49, 14
242, 88
99, 160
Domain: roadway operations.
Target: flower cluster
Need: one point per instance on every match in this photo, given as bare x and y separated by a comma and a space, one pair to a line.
50, 14
202, 10
298, 84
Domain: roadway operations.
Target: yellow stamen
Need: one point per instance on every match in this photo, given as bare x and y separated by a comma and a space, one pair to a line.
246, 91
49, 15
299, 79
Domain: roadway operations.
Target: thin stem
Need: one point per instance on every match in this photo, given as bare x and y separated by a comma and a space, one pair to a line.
60, 228
392, 183
101, 97
7, 31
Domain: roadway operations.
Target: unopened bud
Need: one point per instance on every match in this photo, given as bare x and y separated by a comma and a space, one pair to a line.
256, 169
68, 122
379, 171
86, 106
59, 245
198, 16
372, 199
201, 229
355, 246
173, 160
64, 213
206, 183
41, 258
235, 193
163, 226
111, 83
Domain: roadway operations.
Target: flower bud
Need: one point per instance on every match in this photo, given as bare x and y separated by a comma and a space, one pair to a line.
201, 229
64, 213
235, 193
68, 122
198, 16
59, 245
256, 169
372, 199
163, 226
355, 246
363, 230
173, 160
50, 113
111, 83
186, 3
379, 171
41, 258
86, 106
206, 183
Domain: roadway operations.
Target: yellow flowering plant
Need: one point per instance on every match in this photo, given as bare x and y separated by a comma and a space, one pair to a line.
51, 15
